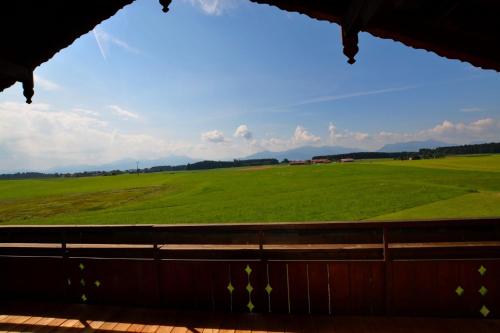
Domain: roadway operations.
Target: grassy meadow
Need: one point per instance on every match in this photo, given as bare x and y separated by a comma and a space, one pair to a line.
467, 186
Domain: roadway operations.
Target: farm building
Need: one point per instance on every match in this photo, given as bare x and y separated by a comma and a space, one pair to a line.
300, 162
346, 160
320, 161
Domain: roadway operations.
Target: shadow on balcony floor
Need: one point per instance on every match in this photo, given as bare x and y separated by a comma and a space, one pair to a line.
78, 318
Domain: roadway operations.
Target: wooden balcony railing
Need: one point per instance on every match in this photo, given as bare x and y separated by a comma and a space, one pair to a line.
425, 268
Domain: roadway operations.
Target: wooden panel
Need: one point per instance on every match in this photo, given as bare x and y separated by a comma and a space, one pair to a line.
365, 287
33, 278
203, 285
177, 280
403, 288
471, 281
377, 288
425, 292
240, 280
112, 281
297, 277
341, 288
278, 281
220, 281
428, 288
447, 280
319, 287
491, 280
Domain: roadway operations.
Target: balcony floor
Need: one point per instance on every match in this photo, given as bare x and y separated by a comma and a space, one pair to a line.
77, 318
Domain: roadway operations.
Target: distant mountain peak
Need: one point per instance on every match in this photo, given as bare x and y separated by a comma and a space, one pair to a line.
302, 153
412, 146
126, 164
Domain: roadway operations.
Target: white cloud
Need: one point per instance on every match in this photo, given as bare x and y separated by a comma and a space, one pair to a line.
479, 129
214, 136
86, 112
487, 129
45, 84
337, 136
471, 109
214, 7
123, 113
302, 136
243, 132
38, 137
104, 40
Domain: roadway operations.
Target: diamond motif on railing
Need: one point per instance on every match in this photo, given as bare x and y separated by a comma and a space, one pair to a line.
250, 306
249, 288
82, 282
268, 289
84, 298
459, 291
483, 290
230, 288
484, 311
82, 267
97, 283
482, 270
248, 270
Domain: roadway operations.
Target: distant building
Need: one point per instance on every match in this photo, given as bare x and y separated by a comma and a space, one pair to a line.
320, 160
345, 160
300, 162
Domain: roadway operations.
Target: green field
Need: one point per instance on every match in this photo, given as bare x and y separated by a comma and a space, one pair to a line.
466, 186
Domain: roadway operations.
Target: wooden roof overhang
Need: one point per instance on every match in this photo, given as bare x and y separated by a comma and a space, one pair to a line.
34, 31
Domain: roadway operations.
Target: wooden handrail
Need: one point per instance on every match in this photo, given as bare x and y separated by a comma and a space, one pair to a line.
270, 239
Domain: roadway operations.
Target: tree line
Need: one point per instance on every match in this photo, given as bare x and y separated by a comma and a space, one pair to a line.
482, 148
203, 165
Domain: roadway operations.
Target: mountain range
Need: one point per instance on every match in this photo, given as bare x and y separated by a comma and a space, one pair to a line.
300, 153
303, 153
125, 164
412, 146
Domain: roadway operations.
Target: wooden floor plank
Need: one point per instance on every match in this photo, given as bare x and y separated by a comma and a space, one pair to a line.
108, 326
164, 329
122, 327
41, 322
150, 328
136, 328
88, 319
14, 323
41, 326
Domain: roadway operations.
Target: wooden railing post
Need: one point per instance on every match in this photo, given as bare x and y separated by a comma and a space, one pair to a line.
65, 265
261, 245
388, 271
156, 259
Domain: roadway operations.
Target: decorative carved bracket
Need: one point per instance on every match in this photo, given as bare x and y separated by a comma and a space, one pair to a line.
357, 16
165, 4
21, 74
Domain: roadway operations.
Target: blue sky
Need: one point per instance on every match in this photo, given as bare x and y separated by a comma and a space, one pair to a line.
223, 79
